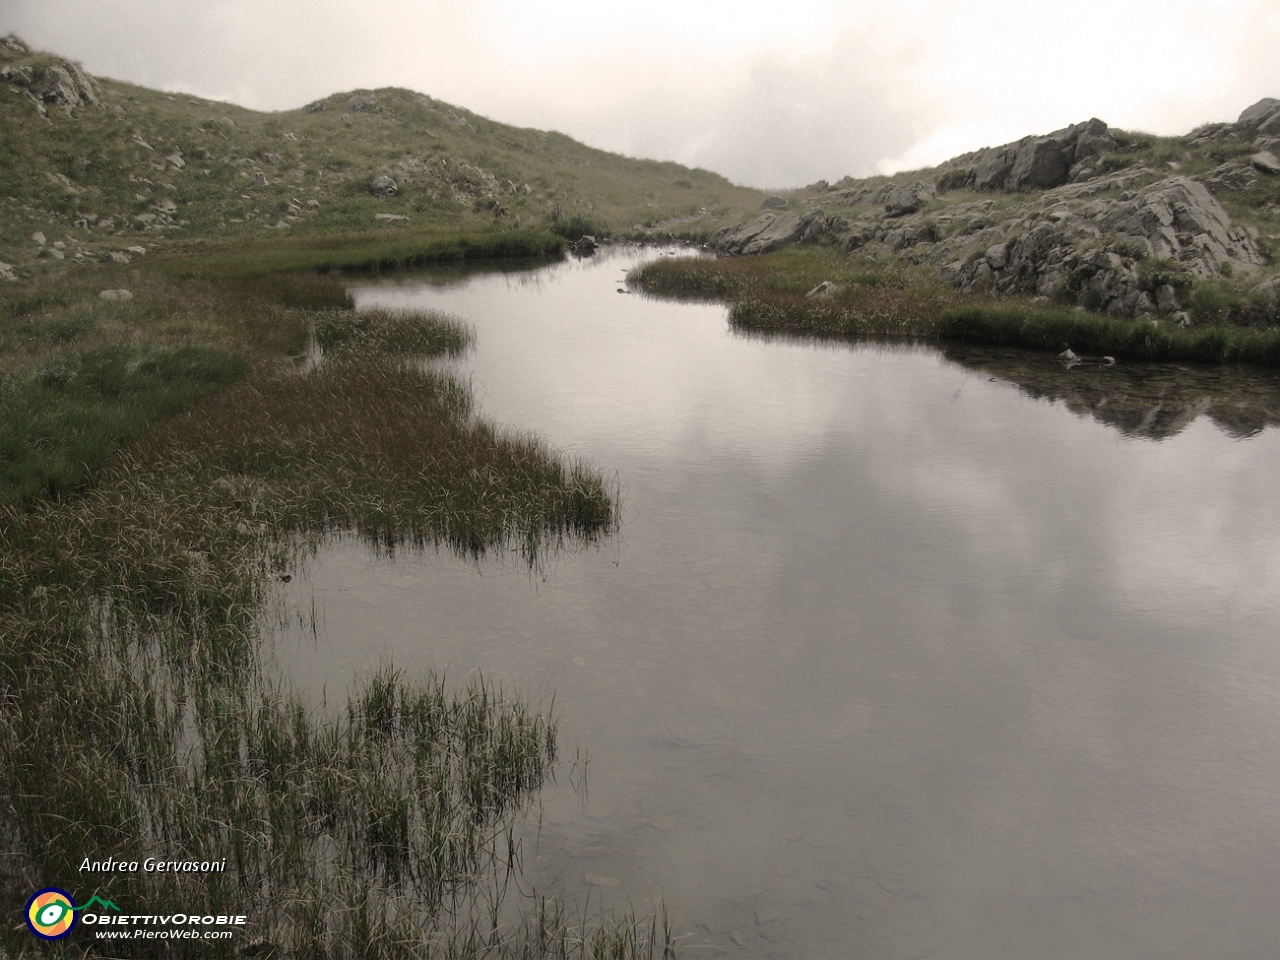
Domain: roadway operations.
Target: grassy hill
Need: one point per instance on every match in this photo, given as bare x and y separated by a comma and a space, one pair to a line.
99, 165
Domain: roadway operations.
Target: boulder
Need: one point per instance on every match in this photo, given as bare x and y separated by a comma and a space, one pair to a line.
1266, 161
997, 256
904, 200
1262, 117
116, 295
383, 186
14, 44
6, 272
774, 203
823, 291
761, 235
66, 86
1042, 162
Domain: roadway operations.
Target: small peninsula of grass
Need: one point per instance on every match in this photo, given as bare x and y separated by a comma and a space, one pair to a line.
772, 294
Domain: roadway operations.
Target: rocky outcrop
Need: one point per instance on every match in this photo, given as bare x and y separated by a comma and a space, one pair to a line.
1032, 162
765, 233
1092, 250
63, 85
1263, 117
1100, 229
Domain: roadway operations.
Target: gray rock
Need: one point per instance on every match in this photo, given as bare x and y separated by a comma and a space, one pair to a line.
137, 249
1042, 162
66, 86
175, 158
390, 217
823, 291
260, 179
6, 272
1257, 112
1167, 299
115, 256
116, 295
904, 200
1073, 243
383, 186
21, 76
1266, 161
1032, 162
1260, 115
274, 159
816, 225
1269, 288
49, 253
38, 237
774, 203
14, 44
759, 236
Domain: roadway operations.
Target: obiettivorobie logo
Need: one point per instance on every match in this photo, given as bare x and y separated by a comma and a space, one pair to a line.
51, 913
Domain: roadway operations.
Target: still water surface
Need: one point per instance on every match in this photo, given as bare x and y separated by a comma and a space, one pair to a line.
889, 659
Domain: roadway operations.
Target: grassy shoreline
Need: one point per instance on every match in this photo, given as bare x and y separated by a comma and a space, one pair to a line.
769, 293
139, 718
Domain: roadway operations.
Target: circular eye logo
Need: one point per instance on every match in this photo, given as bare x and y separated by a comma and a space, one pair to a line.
51, 913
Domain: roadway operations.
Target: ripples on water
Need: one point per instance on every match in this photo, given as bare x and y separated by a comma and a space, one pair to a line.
897, 653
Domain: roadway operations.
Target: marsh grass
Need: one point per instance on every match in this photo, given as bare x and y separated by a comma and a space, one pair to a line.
767, 294
73, 411
137, 716
398, 333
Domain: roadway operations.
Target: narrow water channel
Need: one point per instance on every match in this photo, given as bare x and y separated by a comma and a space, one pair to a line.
891, 657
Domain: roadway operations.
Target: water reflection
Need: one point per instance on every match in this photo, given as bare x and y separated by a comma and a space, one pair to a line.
1152, 401
888, 659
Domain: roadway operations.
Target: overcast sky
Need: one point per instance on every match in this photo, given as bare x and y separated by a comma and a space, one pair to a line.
771, 95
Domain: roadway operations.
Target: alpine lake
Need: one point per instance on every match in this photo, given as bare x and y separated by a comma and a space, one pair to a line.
898, 651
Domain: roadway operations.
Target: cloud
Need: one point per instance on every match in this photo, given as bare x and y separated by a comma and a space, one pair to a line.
834, 87
774, 119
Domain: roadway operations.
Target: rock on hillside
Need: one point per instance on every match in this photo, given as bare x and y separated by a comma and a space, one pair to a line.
63, 85
1032, 162
1085, 215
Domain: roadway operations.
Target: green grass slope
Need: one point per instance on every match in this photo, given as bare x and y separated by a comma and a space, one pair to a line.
110, 165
